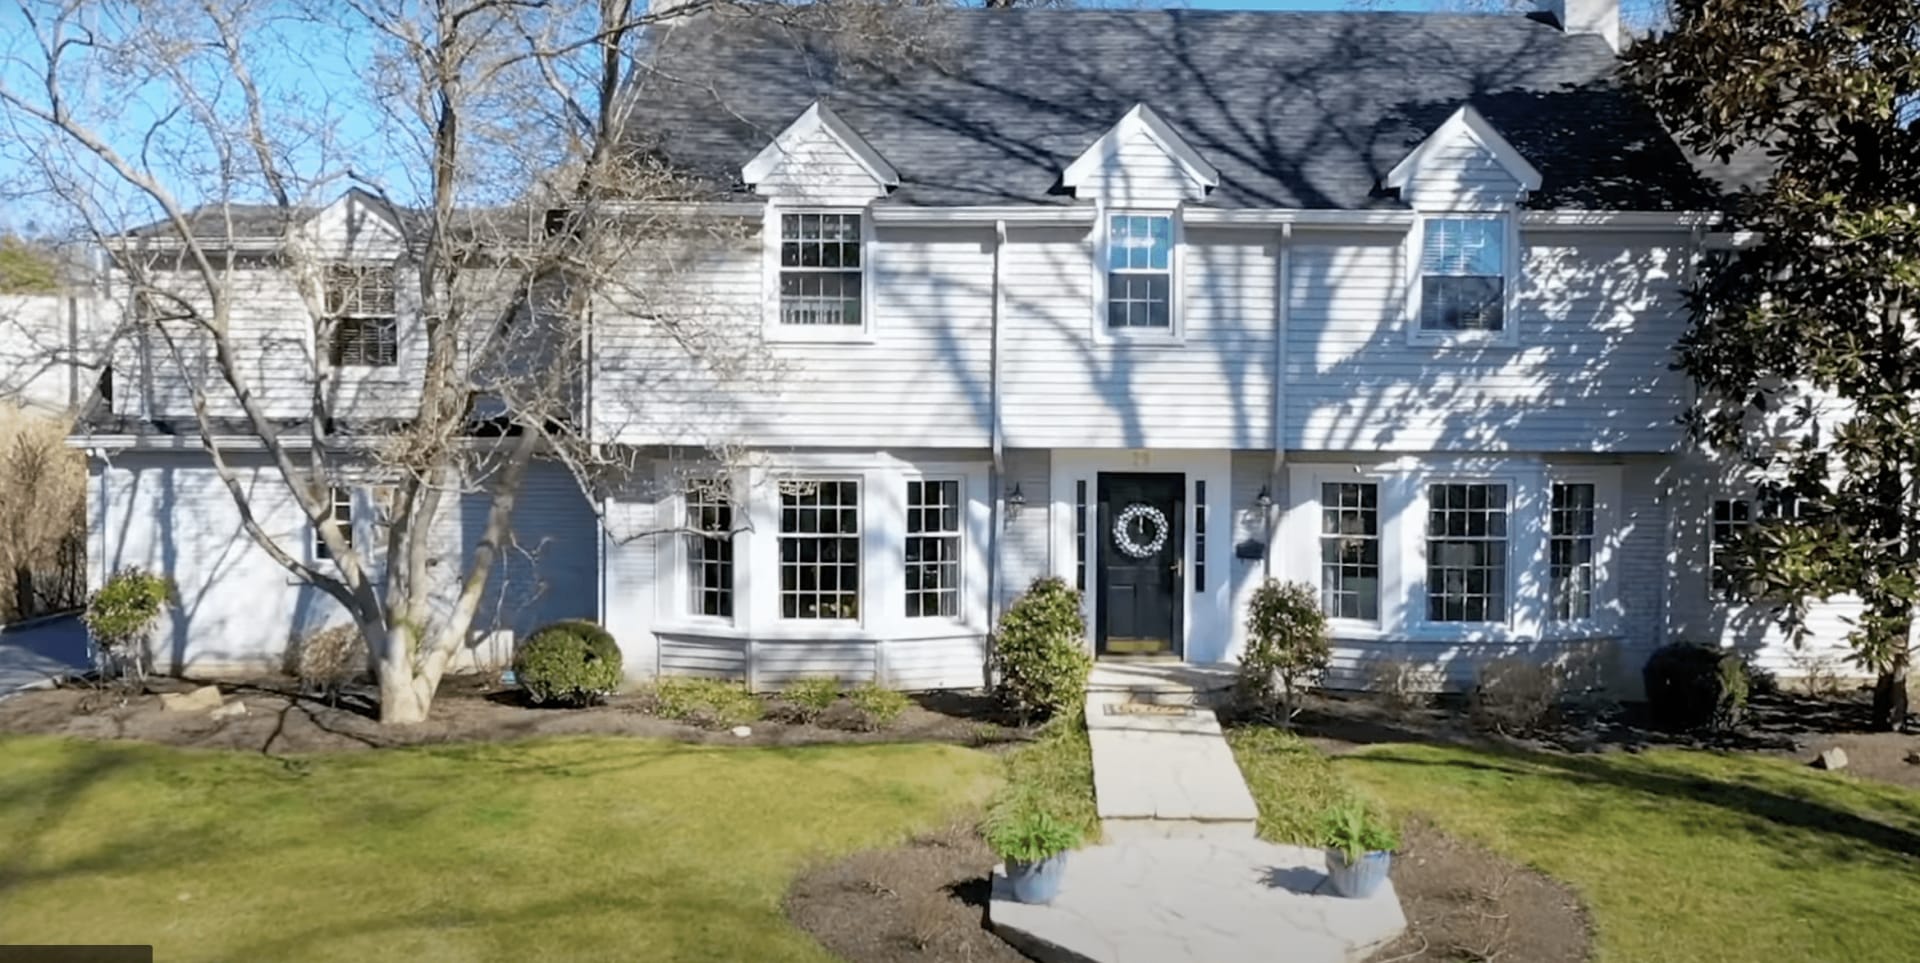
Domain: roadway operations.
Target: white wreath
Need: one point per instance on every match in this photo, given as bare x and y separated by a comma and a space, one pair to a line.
1125, 542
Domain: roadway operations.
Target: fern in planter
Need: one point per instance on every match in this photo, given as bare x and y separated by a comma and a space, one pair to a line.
1039, 651
1029, 834
1353, 829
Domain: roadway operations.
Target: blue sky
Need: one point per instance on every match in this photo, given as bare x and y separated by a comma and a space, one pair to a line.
317, 62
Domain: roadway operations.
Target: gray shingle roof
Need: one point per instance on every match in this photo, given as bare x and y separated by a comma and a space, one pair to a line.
1296, 110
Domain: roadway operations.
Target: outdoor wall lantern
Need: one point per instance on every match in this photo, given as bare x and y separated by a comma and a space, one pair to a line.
1264, 500
1016, 500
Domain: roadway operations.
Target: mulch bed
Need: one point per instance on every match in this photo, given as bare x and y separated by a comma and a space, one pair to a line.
469, 708
925, 901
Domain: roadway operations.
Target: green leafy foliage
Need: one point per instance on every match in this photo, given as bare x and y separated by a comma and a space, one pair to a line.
1287, 649
1030, 834
122, 614
708, 703
1045, 805
1801, 345
1695, 687
1292, 782
806, 699
1355, 828
878, 707
1040, 653
572, 663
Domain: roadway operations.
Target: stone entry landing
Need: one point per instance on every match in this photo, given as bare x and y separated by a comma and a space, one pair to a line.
1164, 770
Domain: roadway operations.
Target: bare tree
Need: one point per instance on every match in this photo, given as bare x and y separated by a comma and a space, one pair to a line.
492, 140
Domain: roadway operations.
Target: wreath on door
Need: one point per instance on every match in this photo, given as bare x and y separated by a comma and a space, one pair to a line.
1123, 530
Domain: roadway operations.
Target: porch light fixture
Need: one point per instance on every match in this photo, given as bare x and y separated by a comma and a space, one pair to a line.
1016, 500
1264, 500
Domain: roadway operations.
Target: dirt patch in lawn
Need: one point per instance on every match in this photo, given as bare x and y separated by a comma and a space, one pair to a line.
469, 708
1464, 902
925, 901
922, 901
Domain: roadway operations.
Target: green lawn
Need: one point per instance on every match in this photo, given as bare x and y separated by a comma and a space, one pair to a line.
1685, 856
575, 849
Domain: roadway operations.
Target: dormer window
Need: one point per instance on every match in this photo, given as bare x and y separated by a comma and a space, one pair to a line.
362, 315
821, 271
1140, 269
1463, 274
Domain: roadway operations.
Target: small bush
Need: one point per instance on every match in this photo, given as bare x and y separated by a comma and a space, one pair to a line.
1516, 694
1287, 649
1039, 651
806, 699
572, 663
326, 660
707, 703
1695, 687
121, 617
878, 707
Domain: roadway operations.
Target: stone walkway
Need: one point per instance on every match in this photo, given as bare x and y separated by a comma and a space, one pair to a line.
1180, 875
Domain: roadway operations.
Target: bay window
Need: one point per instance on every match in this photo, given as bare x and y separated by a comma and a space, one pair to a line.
1570, 551
709, 543
820, 550
1467, 552
1350, 550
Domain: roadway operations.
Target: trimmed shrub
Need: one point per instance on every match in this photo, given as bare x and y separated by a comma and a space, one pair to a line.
806, 699
707, 703
324, 661
121, 617
1287, 649
571, 663
1516, 694
1695, 687
1040, 655
877, 707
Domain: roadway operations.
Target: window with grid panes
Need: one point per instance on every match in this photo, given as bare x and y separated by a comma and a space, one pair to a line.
1570, 542
933, 549
1350, 550
820, 269
1731, 516
1140, 272
340, 506
1463, 274
820, 550
1467, 552
360, 302
709, 548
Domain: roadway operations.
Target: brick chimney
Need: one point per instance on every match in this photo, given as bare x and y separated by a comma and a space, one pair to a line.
1598, 17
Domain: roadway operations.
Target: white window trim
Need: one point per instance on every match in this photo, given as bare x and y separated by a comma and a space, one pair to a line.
863, 593
960, 598
1390, 562
1176, 332
1509, 334
771, 327
681, 558
1418, 511
1607, 493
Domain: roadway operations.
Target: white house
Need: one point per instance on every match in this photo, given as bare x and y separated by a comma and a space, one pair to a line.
1160, 302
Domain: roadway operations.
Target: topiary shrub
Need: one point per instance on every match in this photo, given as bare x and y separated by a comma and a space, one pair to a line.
121, 617
571, 663
1040, 656
1287, 649
1695, 687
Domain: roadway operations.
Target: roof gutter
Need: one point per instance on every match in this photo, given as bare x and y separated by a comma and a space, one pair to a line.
998, 216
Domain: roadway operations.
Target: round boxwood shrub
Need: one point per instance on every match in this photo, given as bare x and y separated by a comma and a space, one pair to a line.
572, 663
1039, 651
1695, 687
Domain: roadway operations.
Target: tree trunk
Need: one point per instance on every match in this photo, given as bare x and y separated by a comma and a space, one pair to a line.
402, 700
1890, 695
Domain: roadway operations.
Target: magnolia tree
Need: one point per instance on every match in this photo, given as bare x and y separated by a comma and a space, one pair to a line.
495, 138
1803, 343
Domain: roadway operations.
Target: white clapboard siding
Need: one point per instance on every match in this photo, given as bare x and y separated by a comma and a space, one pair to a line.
778, 664
1140, 174
1024, 537
1066, 386
546, 573
913, 665
1598, 317
1461, 175
703, 657
628, 598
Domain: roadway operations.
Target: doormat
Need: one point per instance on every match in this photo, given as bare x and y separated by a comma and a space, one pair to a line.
1146, 709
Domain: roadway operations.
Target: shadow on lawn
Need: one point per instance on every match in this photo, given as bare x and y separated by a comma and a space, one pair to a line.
1638, 774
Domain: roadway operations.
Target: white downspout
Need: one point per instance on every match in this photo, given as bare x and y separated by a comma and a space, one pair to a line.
997, 432
1282, 297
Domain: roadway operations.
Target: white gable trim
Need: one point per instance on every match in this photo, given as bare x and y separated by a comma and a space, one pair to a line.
1465, 122
818, 118
1140, 120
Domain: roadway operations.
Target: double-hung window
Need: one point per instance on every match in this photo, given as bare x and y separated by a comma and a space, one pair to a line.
820, 550
360, 303
1731, 517
709, 543
340, 508
1467, 552
1350, 550
1463, 274
1570, 548
821, 270
1140, 272
933, 549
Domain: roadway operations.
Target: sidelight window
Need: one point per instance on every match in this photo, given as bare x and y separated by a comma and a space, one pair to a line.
1350, 550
